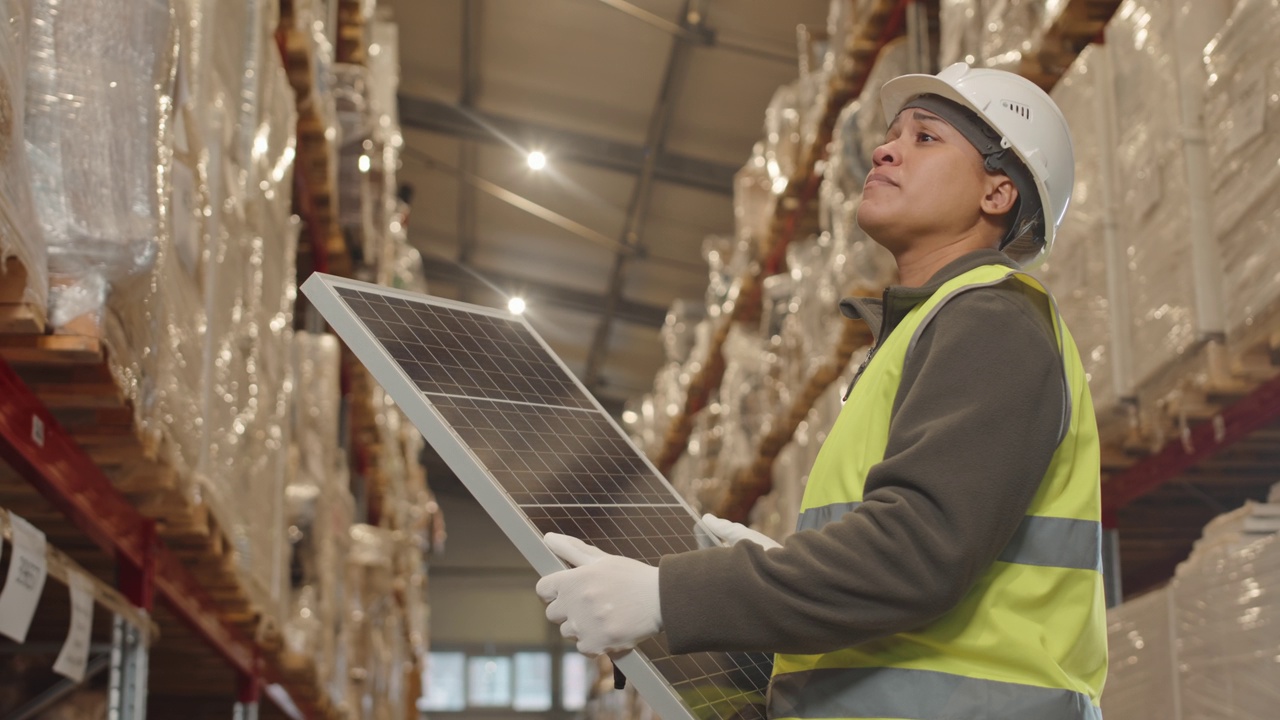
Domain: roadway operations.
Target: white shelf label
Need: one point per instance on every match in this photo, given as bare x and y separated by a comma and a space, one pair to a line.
37, 430
74, 657
27, 570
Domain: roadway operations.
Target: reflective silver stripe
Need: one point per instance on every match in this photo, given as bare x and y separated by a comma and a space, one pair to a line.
1056, 542
1039, 540
815, 518
918, 695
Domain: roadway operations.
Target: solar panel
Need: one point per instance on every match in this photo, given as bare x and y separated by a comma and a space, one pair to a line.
540, 455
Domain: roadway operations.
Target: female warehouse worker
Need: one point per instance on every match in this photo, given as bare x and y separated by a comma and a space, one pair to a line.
947, 562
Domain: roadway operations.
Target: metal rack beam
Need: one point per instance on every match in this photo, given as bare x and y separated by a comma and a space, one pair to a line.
38, 449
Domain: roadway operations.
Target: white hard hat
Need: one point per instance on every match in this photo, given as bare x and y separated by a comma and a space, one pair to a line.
1028, 122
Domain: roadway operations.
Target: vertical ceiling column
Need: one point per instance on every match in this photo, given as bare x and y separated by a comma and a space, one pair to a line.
692, 19
469, 83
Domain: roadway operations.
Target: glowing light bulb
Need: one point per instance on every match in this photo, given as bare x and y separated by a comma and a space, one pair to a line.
537, 160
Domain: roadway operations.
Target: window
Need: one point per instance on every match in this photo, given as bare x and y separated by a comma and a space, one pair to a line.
444, 682
489, 681
533, 681
518, 679
579, 674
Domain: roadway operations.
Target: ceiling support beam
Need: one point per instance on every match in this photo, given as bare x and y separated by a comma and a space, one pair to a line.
692, 17
564, 145
470, 83
537, 292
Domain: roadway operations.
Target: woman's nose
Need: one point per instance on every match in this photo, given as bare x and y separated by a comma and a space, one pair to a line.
884, 155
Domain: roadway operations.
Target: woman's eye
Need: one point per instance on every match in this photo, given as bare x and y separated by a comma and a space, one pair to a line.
924, 137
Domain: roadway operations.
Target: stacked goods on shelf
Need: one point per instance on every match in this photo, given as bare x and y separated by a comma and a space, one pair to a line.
1154, 198
97, 119
1226, 629
1242, 107
161, 146
1204, 646
1163, 201
206, 348
1141, 678
993, 33
23, 266
1077, 270
359, 591
306, 33
321, 510
376, 643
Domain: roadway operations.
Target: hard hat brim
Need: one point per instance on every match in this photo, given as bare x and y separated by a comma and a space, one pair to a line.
895, 93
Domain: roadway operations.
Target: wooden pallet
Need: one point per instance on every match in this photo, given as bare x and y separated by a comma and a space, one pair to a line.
17, 315
72, 377
1080, 23
353, 41
300, 676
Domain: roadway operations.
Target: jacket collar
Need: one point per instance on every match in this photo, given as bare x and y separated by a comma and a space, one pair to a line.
883, 315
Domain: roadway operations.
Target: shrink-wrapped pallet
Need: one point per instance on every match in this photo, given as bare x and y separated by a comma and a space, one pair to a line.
1076, 271
782, 132
21, 235
992, 33
1153, 217
1141, 674
374, 629
1242, 123
1227, 624
99, 78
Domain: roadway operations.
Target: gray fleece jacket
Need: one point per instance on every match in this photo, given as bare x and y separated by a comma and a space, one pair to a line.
975, 424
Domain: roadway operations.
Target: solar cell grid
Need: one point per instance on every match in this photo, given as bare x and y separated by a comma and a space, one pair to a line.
486, 385
452, 352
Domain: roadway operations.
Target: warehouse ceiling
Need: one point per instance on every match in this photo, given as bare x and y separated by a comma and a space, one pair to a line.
643, 108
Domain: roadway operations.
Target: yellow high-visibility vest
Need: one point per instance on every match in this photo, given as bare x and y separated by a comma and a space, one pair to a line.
1029, 639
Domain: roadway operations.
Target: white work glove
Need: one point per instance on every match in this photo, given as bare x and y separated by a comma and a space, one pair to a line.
734, 533
609, 603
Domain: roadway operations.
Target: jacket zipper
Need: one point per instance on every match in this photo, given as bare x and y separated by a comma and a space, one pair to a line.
884, 319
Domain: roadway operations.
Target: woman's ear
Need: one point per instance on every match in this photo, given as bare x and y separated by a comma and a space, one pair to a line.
1000, 195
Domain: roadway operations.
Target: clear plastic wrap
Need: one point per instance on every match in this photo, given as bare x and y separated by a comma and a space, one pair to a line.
782, 128
727, 261
250, 293
1242, 120
962, 23
21, 235
992, 33
97, 121
1227, 623
753, 200
1154, 196
320, 511
1141, 675
680, 329
351, 96
1012, 29
1076, 272
373, 630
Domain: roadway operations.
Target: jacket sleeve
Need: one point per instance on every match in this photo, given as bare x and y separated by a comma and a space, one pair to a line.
976, 423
